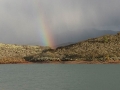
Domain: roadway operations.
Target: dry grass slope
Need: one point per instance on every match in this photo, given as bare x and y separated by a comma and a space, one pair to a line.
103, 48
11, 53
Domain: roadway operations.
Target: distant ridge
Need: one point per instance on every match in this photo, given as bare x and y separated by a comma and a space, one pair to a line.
64, 44
86, 35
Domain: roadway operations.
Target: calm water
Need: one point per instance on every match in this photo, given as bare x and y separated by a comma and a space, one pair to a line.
59, 77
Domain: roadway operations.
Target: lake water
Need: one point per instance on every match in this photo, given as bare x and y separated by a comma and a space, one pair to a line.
59, 77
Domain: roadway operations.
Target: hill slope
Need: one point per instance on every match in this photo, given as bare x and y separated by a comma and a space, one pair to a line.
101, 49
104, 48
11, 53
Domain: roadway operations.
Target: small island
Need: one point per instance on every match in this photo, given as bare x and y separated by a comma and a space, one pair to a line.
104, 49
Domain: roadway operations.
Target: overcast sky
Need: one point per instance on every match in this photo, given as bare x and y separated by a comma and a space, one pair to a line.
20, 23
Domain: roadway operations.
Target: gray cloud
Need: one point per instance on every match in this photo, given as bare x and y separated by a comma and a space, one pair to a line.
68, 20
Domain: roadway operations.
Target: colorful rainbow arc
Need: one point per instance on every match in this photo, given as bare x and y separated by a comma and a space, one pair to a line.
46, 35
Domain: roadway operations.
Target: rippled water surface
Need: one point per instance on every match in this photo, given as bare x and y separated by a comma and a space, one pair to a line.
59, 77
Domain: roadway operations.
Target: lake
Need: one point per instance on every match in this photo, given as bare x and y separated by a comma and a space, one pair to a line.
59, 77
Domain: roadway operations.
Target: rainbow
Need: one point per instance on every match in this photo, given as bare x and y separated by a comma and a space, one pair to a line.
44, 30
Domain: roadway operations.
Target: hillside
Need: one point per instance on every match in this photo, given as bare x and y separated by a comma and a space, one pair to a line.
104, 48
11, 53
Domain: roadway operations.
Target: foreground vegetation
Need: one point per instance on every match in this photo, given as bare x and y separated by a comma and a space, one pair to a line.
102, 49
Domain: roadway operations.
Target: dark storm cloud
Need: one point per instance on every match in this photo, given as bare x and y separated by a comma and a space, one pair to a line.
68, 20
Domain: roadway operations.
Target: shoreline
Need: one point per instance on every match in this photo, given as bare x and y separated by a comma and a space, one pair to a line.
78, 62
66, 62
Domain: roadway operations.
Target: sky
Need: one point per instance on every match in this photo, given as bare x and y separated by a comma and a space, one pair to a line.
27, 21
